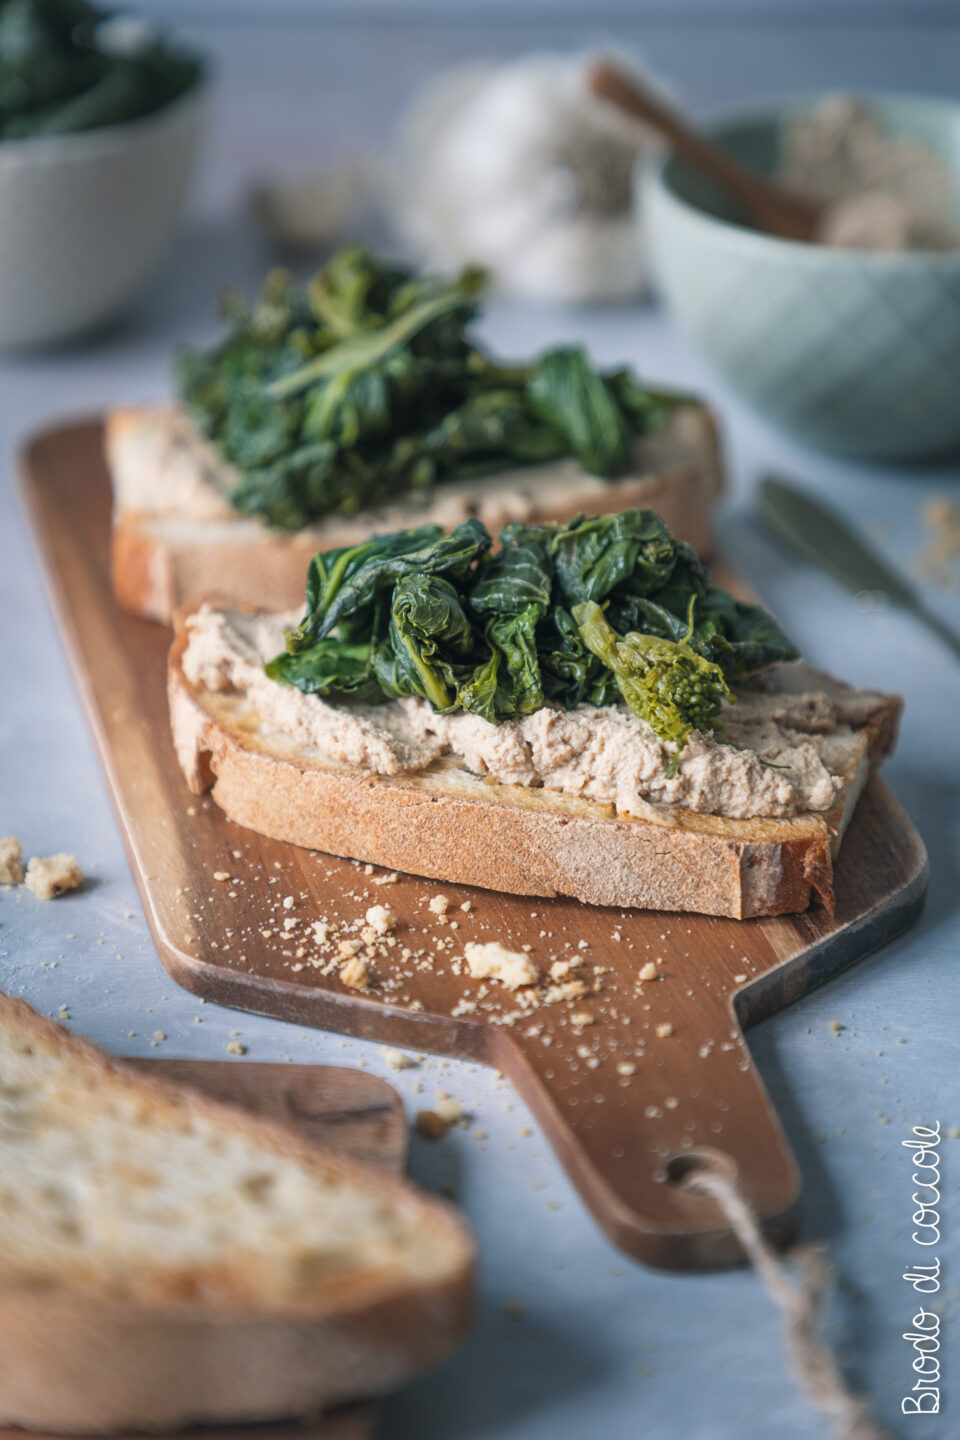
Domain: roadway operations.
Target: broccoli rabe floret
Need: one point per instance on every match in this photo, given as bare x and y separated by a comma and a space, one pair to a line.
665, 682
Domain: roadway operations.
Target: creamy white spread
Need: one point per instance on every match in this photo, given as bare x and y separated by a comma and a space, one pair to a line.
786, 749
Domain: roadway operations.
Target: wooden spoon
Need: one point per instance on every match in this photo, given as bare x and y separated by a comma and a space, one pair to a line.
769, 206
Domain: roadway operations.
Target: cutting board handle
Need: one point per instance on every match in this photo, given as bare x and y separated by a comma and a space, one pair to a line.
628, 1146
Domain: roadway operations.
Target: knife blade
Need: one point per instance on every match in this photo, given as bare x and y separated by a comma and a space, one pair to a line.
822, 536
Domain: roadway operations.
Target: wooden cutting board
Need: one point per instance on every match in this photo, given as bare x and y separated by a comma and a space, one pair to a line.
624, 1081
349, 1111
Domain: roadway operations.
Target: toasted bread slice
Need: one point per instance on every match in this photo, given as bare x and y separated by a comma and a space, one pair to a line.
176, 538
166, 1260
523, 840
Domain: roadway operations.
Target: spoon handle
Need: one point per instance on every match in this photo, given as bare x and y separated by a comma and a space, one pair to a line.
770, 206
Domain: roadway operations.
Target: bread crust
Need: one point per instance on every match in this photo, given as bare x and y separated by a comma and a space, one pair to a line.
196, 1348
158, 566
524, 841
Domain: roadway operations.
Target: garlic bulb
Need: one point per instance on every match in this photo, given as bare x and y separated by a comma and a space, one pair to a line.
520, 168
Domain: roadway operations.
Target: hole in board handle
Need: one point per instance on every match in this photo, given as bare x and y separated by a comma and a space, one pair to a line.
679, 1169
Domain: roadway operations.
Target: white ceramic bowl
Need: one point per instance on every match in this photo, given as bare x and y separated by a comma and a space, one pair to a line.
86, 218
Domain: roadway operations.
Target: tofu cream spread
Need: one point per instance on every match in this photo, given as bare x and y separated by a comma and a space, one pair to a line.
786, 748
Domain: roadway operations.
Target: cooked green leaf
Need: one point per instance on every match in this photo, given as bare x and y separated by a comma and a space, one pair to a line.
500, 634
375, 365
665, 682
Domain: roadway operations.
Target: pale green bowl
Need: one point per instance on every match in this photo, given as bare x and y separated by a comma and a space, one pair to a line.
852, 351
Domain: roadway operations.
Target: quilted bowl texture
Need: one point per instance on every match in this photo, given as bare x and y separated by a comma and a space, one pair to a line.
853, 351
86, 218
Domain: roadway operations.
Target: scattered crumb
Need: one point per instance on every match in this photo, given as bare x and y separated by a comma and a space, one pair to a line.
581, 1018
431, 1125
396, 1059
11, 861
381, 919
390, 879
51, 875
221, 875
836, 1027
493, 961
937, 562
665, 1030
649, 971
354, 973
234, 1047
450, 1111
626, 1067
439, 905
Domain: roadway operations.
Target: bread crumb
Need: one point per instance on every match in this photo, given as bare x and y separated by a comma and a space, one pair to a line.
836, 1027
11, 857
493, 961
581, 1018
348, 948
390, 879
159, 1035
439, 905
396, 1059
449, 1110
234, 1047
432, 1125
381, 919
665, 1030
288, 902
649, 971
50, 875
566, 990
221, 875
353, 972
466, 907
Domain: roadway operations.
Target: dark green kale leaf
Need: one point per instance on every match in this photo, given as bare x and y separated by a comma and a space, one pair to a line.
633, 550
428, 639
331, 667
366, 385
586, 613
348, 588
585, 409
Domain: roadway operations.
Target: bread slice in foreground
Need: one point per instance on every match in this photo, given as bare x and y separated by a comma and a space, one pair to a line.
448, 824
176, 538
167, 1260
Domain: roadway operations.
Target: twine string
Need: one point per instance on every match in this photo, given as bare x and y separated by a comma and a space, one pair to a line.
814, 1363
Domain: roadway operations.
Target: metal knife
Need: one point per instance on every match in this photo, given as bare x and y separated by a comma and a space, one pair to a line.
823, 536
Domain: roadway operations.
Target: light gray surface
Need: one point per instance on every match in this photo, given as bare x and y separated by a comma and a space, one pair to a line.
603, 1347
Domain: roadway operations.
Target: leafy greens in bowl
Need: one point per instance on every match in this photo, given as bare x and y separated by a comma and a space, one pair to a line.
366, 385
68, 66
592, 612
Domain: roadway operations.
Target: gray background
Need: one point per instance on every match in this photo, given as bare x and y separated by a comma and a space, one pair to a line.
603, 1346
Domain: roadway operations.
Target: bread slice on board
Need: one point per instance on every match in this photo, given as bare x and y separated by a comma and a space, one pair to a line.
166, 1260
448, 824
176, 539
